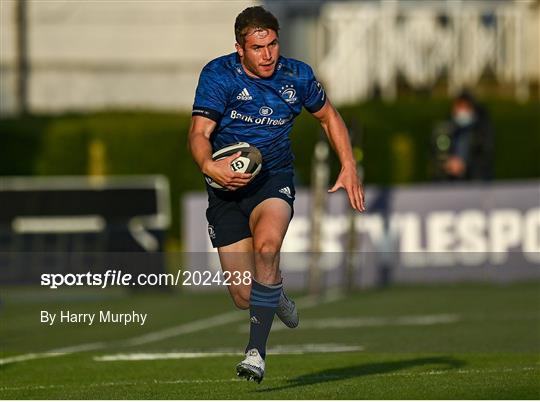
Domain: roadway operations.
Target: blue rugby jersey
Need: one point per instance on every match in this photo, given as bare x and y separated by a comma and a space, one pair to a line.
259, 111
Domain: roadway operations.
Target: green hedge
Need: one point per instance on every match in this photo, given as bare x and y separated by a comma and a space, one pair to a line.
396, 143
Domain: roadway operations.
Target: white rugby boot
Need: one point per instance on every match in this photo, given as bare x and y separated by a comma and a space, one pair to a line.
252, 367
287, 312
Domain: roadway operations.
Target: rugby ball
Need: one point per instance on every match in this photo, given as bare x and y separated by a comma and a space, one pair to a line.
249, 161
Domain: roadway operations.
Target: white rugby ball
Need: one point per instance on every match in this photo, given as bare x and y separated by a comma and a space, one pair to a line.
249, 161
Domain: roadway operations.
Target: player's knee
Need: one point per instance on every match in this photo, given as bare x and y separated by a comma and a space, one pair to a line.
267, 248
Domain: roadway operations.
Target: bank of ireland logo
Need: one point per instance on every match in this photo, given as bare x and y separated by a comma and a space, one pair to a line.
265, 111
288, 93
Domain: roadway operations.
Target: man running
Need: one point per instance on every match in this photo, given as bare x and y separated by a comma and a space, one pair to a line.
253, 96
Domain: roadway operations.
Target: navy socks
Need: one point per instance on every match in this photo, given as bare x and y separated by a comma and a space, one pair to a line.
263, 303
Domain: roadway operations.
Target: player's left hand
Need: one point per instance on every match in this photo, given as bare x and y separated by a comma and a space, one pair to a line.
348, 180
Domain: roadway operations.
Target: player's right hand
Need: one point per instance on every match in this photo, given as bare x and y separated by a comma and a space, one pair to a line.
221, 172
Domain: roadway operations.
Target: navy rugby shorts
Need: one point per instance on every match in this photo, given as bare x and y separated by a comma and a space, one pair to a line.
228, 211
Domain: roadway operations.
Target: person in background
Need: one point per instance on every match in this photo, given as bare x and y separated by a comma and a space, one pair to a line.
471, 141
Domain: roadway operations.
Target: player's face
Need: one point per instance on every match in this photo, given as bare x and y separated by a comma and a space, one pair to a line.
260, 52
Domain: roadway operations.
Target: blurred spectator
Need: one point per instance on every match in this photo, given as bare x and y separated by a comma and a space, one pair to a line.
470, 154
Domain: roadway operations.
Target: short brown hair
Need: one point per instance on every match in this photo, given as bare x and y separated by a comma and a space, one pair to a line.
253, 17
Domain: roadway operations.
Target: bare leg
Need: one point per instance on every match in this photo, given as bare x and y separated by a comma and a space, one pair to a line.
238, 257
269, 222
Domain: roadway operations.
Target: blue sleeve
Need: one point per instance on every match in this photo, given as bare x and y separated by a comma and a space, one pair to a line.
314, 97
210, 96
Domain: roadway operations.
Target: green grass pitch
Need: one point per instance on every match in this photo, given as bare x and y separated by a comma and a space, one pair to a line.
466, 341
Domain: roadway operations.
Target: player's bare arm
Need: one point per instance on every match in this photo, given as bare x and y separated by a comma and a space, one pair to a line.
201, 149
337, 133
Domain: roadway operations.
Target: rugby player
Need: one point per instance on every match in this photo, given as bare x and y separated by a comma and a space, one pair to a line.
253, 95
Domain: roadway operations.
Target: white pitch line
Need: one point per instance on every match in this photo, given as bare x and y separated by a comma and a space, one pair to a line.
359, 322
27, 356
321, 377
276, 350
53, 353
161, 356
189, 328
85, 347
183, 329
